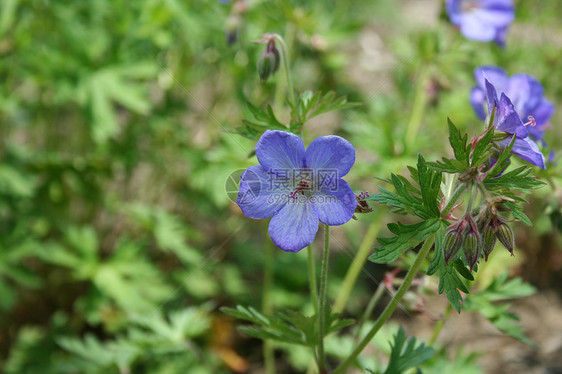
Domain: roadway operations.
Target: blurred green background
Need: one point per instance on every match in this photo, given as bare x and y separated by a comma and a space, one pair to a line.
118, 241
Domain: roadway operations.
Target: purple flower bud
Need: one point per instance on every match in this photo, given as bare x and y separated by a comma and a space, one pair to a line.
451, 244
505, 236
472, 245
268, 62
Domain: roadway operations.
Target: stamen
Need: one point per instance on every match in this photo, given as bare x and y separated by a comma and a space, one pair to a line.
531, 122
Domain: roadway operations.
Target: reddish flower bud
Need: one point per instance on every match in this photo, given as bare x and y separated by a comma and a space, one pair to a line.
488, 240
472, 245
451, 244
505, 236
268, 62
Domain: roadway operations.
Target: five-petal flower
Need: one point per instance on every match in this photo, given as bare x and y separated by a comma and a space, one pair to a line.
525, 92
507, 120
482, 20
298, 188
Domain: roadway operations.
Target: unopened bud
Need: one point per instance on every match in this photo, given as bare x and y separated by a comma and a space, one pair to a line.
451, 245
505, 236
268, 62
362, 205
471, 248
231, 28
488, 240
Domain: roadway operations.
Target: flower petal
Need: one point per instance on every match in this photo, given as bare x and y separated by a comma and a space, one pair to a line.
295, 226
528, 150
477, 99
507, 120
495, 14
261, 194
335, 206
280, 150
501, 34
497, 77
542, 113
454, 11
330, 153
473, 27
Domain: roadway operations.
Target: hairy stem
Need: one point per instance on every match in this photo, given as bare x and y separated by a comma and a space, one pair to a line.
312, 279
461, 188
412, 272
285, 58
322, 302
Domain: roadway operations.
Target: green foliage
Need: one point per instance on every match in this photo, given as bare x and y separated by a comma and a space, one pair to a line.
419, 199
450, 276
310, 105
406, 355
486, 303
116, 137
406, 237
287, 327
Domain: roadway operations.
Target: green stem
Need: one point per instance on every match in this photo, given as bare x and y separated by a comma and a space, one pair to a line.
461, 188
391, 306
312, 279
267, 307
322, 302
418, 108
360, 258
470, 199
285, 58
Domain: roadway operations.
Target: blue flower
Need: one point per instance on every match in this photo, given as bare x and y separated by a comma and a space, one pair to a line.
525, 92
507, 120
298, 188
482, 20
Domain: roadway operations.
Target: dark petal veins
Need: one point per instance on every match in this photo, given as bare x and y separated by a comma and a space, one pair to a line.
330, 153
335, 206
280, 150
261, 194
295, 226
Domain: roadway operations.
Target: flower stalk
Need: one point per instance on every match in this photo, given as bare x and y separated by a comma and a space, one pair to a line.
322, 302
412, 272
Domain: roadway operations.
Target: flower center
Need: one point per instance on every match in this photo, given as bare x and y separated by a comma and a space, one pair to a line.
303, 187
531, 122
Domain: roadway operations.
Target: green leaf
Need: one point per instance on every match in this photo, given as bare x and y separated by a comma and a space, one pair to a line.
449, 280
458, 143
258, 122
288, 327
515, 179
311, 105
447, 165
480, 152
406, 355
517, 212
485, 303
430, 183
503, 161
406, 199
406, 237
